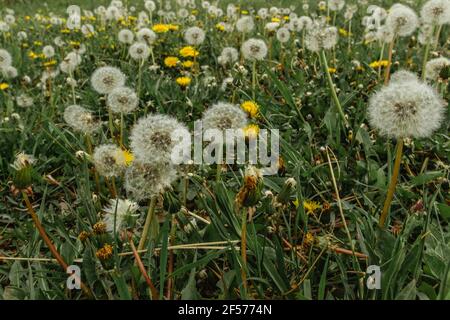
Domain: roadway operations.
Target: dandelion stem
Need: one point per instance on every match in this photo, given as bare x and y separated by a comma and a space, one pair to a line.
425, 55
244, 250
392, 183
148, 280
254, 80
324, 63
110, 123
140, 79
387, 72
170, 280
148, 222
48, 242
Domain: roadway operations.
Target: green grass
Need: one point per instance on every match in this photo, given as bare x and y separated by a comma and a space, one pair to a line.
282, 260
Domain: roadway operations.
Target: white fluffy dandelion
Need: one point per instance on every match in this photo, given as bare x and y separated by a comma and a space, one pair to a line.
194, 36
321, 38
254, 49
122, 100
24, 100
139, 51
283, 35
408, 109
229, 55
48, 51
145, 180
126, 36
245, 24
154, 137
106, 79
109, 160
434, 67
5, 58
402, 20
146, 35
436, 12
80, 119
404, 75
223, 115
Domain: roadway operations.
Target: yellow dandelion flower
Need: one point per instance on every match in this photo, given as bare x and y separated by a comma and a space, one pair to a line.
129, 157
4, 86
37, 43
220, 27
171, 62
344, 32
65, 31
245, 12
183, 81
188, 51
309, 238
251, 130
188, 64
160, 28
380, 63
251, 108
332, 70
310, 206
173, 27
275, 19
286, 18
49, 63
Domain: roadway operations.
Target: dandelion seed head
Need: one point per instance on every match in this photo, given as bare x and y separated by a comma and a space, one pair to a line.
254, 49
106, 79
145, 180
283, 35
80, 119
139, 51
109, 160
223, 115
434, 67
245, 24
126, 36
146, 35
436, 12
194, 36
5, 58
402, 20
122, 100
407, 109
154, 137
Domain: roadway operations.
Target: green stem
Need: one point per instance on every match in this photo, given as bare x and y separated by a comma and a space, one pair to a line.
392, 183
254, 80
148, 222
244, 251
323, 60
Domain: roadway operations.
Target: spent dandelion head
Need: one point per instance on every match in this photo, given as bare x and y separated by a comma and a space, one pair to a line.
105, 79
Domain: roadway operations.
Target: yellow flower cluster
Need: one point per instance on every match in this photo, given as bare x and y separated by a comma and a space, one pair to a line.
377, 64
183, 81
188, 51
251, 108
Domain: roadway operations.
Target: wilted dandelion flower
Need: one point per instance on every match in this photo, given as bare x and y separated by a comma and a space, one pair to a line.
283, 35
245, 24
154, 137
139, 51
110, 160
118, 210
434, 68
229, 55
194, 36
122, 100
408, 109
254, 49
402, 20
145, 180
80, 119
5, 58
223, 115
106, 79
126, 36
146, 35
436, 12
22, 161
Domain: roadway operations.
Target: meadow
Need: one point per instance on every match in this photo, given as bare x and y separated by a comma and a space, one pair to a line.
96, 98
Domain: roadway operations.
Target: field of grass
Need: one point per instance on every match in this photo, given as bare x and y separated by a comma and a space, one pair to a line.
315, 229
